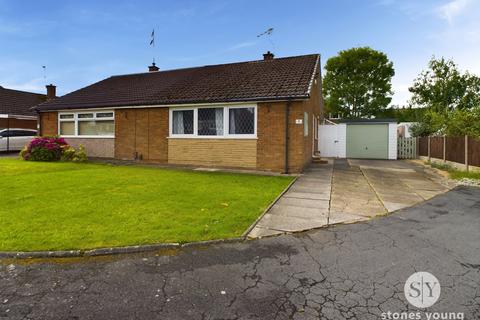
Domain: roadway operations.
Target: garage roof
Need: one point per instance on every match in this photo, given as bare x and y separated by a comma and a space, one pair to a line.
366, 121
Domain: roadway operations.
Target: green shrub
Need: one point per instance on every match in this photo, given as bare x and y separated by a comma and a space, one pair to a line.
70, 154
52, 149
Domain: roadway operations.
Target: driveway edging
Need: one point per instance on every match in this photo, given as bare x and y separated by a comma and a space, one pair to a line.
249, 229
112, 250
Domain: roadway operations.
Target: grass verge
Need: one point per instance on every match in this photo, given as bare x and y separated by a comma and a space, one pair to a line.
59, 206
455, 173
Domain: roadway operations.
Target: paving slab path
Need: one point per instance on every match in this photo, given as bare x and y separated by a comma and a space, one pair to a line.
347, 191
304, 206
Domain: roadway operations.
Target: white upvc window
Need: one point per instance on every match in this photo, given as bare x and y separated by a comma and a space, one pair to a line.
236, 122
87, 124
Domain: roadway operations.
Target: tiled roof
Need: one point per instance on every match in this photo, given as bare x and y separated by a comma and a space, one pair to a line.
276, 79
14, 102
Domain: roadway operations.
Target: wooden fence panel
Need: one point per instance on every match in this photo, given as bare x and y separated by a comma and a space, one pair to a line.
423, 146
436, 147
455, 150
406, 148
473, 151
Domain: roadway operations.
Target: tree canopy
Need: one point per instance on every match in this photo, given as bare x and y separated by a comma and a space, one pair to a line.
357, 83
442, 87
451, 100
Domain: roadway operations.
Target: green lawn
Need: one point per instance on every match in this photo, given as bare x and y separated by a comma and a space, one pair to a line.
53, 206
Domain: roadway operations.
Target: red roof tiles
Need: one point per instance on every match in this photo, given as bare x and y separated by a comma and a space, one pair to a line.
276, 79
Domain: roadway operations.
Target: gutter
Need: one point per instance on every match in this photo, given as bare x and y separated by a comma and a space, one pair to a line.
183, 104
287, 137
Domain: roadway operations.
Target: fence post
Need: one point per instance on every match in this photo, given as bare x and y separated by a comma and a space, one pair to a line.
428, 147
417, 147
444, 149
466, 152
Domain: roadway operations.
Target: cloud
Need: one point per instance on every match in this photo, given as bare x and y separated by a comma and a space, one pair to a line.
242, 45
452, 9
34, 85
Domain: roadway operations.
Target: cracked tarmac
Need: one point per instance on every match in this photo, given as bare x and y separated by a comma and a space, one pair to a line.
354, 271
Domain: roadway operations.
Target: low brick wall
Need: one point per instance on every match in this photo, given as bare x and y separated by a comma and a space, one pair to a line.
239, 153
95, 147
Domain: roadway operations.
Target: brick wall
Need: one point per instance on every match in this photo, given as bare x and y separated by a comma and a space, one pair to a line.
142, 131
271, 132
271, 136
240, 153
48, 124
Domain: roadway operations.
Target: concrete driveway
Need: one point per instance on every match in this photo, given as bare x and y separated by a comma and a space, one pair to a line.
346, 191
354, 271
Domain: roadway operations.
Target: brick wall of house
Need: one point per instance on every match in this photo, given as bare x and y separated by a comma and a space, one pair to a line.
271, 132
18, 123
125, 134
271, 136
48, 124
314, 108
235, 153
141, 131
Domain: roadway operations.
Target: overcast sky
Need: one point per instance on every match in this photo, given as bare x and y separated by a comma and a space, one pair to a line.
82, 42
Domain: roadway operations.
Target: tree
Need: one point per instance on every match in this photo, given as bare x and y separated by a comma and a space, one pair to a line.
402, 114
357, 82
443, 88
452, 100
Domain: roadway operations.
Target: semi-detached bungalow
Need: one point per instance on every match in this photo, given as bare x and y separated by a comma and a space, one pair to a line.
259, 115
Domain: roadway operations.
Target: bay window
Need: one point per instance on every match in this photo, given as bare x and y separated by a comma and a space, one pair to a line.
87, 124
213, 122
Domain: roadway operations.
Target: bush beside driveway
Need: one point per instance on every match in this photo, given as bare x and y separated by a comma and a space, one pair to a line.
57, 206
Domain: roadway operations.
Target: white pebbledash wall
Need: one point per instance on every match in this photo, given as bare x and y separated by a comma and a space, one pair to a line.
392, 141
95, 147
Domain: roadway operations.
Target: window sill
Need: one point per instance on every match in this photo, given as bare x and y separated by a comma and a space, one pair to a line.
87, 137
215, 137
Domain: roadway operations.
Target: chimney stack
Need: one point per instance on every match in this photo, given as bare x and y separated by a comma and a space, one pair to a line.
268, 56
51, 92
153, 68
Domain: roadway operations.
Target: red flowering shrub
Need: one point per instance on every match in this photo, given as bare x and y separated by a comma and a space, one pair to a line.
44, 149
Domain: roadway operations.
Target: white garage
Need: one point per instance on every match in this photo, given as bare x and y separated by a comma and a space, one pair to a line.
358, 139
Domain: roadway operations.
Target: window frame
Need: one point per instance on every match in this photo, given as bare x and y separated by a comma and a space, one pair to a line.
226, 122
76, 120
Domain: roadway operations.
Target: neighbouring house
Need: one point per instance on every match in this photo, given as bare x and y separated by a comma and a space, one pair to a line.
16, 107
403, 129
259, 115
